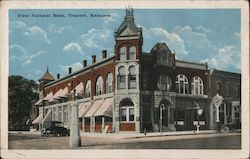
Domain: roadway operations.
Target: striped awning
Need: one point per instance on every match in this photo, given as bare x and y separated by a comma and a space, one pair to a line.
93, 108
48, 96
83, 108
78, 88
106, 108
39, 102
47, 116
38, 120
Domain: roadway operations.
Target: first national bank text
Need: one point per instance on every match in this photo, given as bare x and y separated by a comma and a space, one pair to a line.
55, 15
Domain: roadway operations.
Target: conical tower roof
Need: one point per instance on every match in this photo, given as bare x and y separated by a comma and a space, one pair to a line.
47, 76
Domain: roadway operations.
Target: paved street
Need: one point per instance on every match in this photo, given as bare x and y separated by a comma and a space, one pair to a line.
197, 141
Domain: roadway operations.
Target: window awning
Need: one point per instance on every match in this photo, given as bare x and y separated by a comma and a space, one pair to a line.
106, 108
93, 108
38, 120
78, 88
84, 107
39, 102
47, 116
48, 96
62, 93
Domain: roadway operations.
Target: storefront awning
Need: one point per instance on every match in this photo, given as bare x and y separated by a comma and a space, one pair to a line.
39, 119
84, 107
78, 88
106, 108
93, 108
48, 96
47, 116
39, 102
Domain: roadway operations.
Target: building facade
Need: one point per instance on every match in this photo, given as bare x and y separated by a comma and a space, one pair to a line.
134, 90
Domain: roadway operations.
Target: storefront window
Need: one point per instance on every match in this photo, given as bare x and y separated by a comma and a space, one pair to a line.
65, 114
127, 111
60, 113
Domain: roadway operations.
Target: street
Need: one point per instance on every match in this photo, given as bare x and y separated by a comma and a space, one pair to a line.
195, 141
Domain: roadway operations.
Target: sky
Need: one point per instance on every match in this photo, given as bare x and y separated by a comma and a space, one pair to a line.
197, 35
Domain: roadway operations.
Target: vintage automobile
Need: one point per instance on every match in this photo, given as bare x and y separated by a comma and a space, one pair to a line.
54, 128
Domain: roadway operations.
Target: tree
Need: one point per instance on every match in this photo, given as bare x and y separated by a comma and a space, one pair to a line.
22, 94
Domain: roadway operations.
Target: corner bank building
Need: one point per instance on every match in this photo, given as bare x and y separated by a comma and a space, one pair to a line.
132, 90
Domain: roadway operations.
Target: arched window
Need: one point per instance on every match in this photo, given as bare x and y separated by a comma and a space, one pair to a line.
127, 111
109, 83
238, 91
122, 53
99, 86
88, 88
164, 83
227, 89
218, 87
197, 85
132, 53
182, 84
121, 78
132, 78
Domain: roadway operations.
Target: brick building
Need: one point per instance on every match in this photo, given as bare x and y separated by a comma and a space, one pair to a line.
132, 90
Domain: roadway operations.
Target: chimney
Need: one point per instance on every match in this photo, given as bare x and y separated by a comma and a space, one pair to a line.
104, 54
70, 70
93, 59
84, 63
58, 76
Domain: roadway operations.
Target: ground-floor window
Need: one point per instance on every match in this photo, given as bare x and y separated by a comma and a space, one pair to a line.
229, 113
127, 114
65, 114
60, 113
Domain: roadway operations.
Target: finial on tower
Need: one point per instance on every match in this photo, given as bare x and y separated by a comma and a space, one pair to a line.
47, 68
129, 11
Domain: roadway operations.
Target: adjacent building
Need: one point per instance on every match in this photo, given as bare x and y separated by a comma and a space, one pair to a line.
137, 91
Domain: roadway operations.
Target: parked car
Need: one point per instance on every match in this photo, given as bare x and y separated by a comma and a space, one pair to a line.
54, 128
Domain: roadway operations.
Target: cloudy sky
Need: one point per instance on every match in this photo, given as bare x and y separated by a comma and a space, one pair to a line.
199, 35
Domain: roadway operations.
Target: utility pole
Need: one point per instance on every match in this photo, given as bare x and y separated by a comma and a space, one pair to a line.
75, 139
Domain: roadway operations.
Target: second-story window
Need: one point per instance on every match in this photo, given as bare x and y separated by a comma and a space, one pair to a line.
132, 78
122, 53
88, 88
99, 86
109, 83
132, 53
164, 83
238, 91
121, 78
227, 89
182, 84
197, 85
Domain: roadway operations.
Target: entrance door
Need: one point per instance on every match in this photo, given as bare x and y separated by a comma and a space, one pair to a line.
189, 119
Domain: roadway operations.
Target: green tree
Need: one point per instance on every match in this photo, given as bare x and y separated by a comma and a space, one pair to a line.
22, 94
